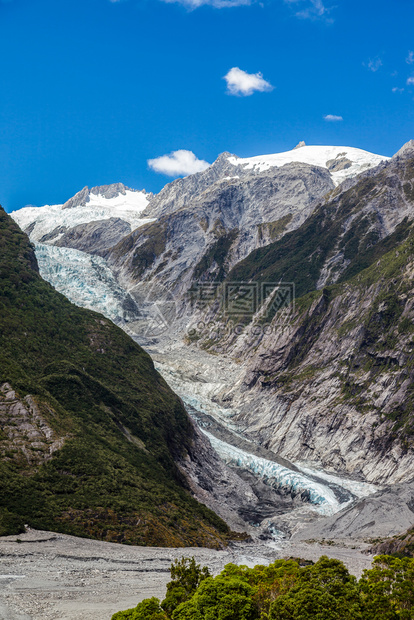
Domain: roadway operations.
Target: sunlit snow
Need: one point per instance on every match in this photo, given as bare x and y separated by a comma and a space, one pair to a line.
315, 156
128, 207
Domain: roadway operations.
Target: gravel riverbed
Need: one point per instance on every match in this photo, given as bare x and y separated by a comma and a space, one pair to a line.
50, 576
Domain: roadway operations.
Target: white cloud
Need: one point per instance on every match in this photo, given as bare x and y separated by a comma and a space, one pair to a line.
410, 81
397, 90
315, 9
374, 64
178, 163
218, 4
333, 118
244, 84
410, 58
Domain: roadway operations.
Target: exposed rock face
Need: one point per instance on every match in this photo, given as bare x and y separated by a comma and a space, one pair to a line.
386, 513
218, 227
26, 436
336, 384
106, 191
93, 237
81, 198
403, 544
338, 164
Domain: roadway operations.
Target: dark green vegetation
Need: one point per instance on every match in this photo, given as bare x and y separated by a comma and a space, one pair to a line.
273, 230
155, 236
95, 391
287, 590
147, 253
214, 259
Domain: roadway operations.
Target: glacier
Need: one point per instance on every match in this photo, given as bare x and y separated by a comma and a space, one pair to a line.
43, 220
85, 280
277, 476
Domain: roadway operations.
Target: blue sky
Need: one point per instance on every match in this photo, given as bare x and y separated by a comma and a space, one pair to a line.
93, 89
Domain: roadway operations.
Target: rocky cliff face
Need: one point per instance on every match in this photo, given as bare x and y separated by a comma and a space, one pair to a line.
333, 383
218, 227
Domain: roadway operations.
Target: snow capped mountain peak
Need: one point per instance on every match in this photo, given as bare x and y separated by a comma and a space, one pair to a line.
88, 205
342, 161
99, 194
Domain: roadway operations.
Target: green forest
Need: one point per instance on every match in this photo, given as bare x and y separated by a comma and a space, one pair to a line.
120, 427
290, 589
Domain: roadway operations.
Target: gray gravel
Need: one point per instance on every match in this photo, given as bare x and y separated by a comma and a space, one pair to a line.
51, 576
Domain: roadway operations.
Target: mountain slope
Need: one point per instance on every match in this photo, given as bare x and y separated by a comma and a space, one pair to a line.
89, 431
337, 240
334, 385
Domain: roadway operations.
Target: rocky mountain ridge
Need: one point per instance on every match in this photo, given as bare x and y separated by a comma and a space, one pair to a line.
198, 227
333, 383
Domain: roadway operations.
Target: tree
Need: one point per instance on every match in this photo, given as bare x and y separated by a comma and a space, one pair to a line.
186, 576
219, 598
388, 589
148, 609
324, 591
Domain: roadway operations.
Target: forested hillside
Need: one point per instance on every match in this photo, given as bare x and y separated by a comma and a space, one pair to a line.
89, 431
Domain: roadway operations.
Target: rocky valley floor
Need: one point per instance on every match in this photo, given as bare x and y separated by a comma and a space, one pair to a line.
49, 576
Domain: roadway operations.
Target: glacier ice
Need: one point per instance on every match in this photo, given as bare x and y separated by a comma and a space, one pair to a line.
85, 280
277, 476
356, 487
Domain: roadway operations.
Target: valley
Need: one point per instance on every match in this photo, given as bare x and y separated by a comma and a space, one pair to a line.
300, 427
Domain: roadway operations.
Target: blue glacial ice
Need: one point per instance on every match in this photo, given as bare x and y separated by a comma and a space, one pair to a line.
85, 280
277, 476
